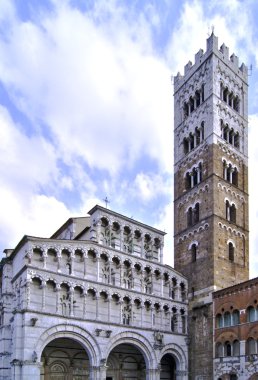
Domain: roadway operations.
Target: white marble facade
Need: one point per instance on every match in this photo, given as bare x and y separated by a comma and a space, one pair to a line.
94, 301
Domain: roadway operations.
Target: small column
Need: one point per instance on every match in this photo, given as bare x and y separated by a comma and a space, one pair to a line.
161, 253
71, 297
84, 304
231, 175
152, 310
109, 307
225, 171
228, 135
109, 271
192, 180
98, 225
72, 262
85, 257
141, 315
98, 267
58, 298
97, 306
27, 290
161, 318
44, 256
121, 311
189, 145
43, 287
162, 286
195, 143
59, 257
169, 321
142, 246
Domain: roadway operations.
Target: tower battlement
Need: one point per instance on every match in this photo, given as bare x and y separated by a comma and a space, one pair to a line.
222, 53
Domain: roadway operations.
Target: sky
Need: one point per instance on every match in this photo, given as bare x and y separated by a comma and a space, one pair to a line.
86, 107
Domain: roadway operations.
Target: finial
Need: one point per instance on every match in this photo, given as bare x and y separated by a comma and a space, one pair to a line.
106, 201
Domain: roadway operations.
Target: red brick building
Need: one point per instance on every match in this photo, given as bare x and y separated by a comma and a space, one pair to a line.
236, 332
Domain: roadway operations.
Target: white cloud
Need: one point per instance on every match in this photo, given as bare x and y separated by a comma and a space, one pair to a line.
253, 185
98, 91
150, 186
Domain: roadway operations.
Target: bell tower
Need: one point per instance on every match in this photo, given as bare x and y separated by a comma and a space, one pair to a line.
210, 187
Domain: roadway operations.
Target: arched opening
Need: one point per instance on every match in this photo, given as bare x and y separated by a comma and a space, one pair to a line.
126, 361
168, 367
63, 359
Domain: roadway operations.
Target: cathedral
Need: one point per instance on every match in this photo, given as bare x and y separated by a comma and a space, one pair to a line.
95, 300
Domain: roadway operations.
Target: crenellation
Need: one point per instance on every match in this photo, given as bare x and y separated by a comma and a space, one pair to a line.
201, 57
198, 56
225, 51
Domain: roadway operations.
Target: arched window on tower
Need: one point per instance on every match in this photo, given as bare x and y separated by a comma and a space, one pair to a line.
236, 140
236, 103
190, 217
188, 181
231, 251
198, 98
196, 213
230, 212
186, 110
186, 145
194, 252
191, 104
233, 213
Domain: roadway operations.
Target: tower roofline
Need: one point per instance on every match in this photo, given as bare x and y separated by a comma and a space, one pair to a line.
200, 57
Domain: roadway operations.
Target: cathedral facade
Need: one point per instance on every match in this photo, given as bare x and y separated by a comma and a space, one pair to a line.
94, 301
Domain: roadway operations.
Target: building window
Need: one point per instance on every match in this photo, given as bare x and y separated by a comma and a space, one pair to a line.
230, 98
194, 102
194, 252
174, 325
183, 321
227, 347
231, 250
193, 215
236, 348
194, 177
251, 346
229, 135
230, 212
252, 314
227, 319
182, 292
194, 139
230, 173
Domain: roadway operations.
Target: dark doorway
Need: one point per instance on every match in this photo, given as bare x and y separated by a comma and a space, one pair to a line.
168, 368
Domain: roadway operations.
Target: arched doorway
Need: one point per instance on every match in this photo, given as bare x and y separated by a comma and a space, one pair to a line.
64, 359
168, 367
126, 361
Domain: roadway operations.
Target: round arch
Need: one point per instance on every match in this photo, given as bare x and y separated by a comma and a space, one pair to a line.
178, 354
73, 332
137, 340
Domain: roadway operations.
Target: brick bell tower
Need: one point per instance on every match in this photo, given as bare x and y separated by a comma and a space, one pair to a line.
210, 188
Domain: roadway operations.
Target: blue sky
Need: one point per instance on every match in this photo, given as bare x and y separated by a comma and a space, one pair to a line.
86, 106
